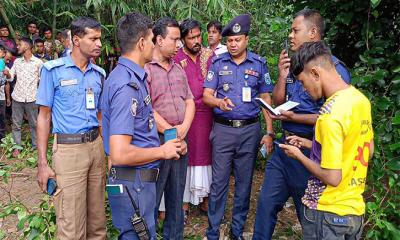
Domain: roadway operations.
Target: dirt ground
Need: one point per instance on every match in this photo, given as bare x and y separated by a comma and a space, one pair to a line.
22, 185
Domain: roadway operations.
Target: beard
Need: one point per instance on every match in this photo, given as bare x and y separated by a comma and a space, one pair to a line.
195, 49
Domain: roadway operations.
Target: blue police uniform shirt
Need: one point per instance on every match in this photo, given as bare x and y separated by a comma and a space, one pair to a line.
63, 87
296, 92
228, 79
127, 110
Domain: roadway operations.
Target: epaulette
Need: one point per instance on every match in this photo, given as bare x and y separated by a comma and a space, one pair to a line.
216, 58
134, 85
336, 61
53, 64
257, 57
100, 70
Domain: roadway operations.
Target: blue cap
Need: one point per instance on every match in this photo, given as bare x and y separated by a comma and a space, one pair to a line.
238, 26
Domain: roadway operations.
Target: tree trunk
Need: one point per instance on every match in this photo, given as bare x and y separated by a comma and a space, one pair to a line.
7, 21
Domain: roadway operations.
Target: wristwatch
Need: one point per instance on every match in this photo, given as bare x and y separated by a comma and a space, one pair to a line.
271, 134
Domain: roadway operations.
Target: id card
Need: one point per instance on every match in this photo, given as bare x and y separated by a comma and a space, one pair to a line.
90, 99
246, 94
114, 189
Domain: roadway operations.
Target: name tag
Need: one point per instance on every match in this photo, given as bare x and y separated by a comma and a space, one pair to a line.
90, 99
246, 94
68, 82
223, 73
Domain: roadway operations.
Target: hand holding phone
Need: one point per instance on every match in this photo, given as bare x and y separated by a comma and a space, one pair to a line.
263, 151
170, 134
51, 186
286, 44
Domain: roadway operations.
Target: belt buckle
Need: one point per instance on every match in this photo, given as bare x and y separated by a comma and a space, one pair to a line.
236, 123
113, 173
86, 137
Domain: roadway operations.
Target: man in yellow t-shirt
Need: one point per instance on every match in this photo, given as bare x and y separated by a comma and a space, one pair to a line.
333, 205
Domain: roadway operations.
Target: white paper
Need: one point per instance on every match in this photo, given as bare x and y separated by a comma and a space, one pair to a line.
276, 111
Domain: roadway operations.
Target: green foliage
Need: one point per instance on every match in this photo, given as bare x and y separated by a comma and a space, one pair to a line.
364, 34
8, 145
37, 223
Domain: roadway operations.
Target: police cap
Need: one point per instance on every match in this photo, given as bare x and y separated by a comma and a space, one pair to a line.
238, 26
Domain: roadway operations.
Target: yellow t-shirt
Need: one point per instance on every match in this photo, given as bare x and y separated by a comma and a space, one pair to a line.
342, 140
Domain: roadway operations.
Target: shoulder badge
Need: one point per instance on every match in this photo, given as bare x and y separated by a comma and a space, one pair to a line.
210, 75
134, 107
267, 78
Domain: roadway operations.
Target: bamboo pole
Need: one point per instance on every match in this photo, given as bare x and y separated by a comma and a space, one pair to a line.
7, 21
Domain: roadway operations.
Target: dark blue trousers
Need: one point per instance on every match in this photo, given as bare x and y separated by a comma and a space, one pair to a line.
171, 181
284, 177
231, 148
144, 195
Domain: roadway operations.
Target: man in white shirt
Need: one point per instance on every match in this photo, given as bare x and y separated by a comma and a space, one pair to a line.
26, 69
214, 29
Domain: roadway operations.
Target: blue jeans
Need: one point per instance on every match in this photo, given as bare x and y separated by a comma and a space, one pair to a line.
319, 225
231, 148
284, 177
144, 195
171, 181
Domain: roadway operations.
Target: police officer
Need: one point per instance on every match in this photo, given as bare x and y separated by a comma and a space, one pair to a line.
234, 80
68, 97
284, 176
130, 133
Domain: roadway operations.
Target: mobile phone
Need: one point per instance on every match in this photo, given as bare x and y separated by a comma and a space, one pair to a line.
286, 45
277, 143
263, 150
170, 134
51, 186
114, 189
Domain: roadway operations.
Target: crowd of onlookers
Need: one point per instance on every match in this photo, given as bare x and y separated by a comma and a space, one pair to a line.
20, 62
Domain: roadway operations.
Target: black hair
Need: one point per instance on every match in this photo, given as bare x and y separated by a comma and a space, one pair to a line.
130, 28
308, 52
3, 25
27, 40
161, 25
79, 25
313, 16
39, 40
2, 48
215, 23
187, 25
47, 28
31, 22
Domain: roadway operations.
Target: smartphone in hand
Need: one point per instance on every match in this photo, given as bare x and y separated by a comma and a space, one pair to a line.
263, 151
51, 186
170, 134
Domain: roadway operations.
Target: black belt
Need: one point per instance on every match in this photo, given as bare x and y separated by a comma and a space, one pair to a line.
78, 138
235, 123
302, 135
129, 174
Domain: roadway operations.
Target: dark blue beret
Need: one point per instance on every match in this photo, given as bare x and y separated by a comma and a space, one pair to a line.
238, 26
